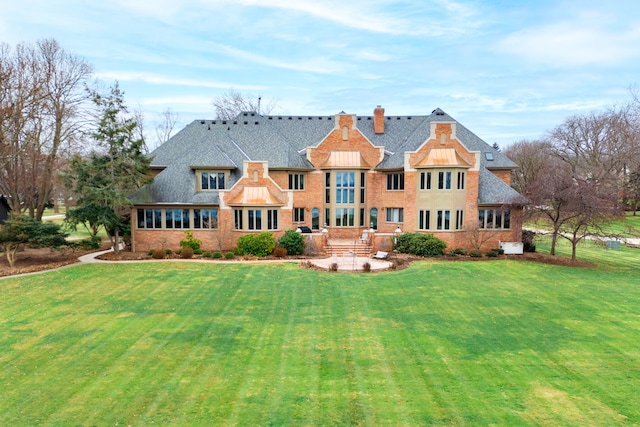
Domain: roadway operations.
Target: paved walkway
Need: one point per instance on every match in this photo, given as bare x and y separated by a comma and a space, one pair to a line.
344, 263
350, 263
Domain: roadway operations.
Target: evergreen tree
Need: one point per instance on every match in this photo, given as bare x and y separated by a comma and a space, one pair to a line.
105, 179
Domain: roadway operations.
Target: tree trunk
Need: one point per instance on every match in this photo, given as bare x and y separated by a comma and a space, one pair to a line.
116, 243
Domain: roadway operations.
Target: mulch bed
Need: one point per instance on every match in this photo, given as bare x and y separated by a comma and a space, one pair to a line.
30, 260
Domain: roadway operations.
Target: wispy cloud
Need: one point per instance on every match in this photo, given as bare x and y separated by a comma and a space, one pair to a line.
171, 81
587, 39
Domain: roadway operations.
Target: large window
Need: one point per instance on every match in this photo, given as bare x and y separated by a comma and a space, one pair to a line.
373, 218
494, 218
212, 180
395, 215
149, 218
459, 220
173, 218
315, 219
444, 180
298, 214
425, 180
205, 218
177, 218
255, 219
272, 219
345, 217
424, 220
237, 219
443, 220
296, 181
345, 187
395, 181
460, 180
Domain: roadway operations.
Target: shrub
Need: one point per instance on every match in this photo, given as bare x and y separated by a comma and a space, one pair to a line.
150, 252
168, 251
333, 266
475, 254
366, 267
492, 253
197, 251
85, 244
279, 252
218, 255
158, 254
293, 242
403, 243
261, 244
190, 241
207, 254
527, 241
426, 245
186, 253
229, 255
458, 251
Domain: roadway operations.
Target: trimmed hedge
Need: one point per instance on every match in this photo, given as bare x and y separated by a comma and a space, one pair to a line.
426, 245
260, 245
293, 242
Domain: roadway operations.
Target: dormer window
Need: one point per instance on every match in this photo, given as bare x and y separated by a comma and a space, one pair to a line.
211, 180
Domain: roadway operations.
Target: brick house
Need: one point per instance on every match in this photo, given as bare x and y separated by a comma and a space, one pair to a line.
344, 177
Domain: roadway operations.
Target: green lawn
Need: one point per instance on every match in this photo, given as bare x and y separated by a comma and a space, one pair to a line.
440, 343
629, 226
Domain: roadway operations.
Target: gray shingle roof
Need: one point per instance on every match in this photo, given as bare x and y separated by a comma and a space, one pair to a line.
281, 141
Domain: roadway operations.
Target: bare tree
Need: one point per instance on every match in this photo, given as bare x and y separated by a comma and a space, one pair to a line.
575, 207
165, 127
531, 157
232, 103
597, 146
40, 102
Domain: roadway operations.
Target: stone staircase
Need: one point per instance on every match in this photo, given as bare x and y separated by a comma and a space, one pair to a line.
339, 247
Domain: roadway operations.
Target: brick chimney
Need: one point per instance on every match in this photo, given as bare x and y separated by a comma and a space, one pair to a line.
378, 119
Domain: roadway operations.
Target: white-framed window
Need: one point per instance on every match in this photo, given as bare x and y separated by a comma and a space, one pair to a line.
395, 181
395, 215
298, 214
205, 218
296, 181
424, 220
425, 180
494, 218
212, 180
443, 221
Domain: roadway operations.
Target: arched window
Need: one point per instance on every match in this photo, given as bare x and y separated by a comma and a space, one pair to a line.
373, 218
315, 219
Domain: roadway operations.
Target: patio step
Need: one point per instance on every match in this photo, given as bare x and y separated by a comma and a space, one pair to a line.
341, 247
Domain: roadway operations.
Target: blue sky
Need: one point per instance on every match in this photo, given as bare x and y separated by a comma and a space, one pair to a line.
507, 70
